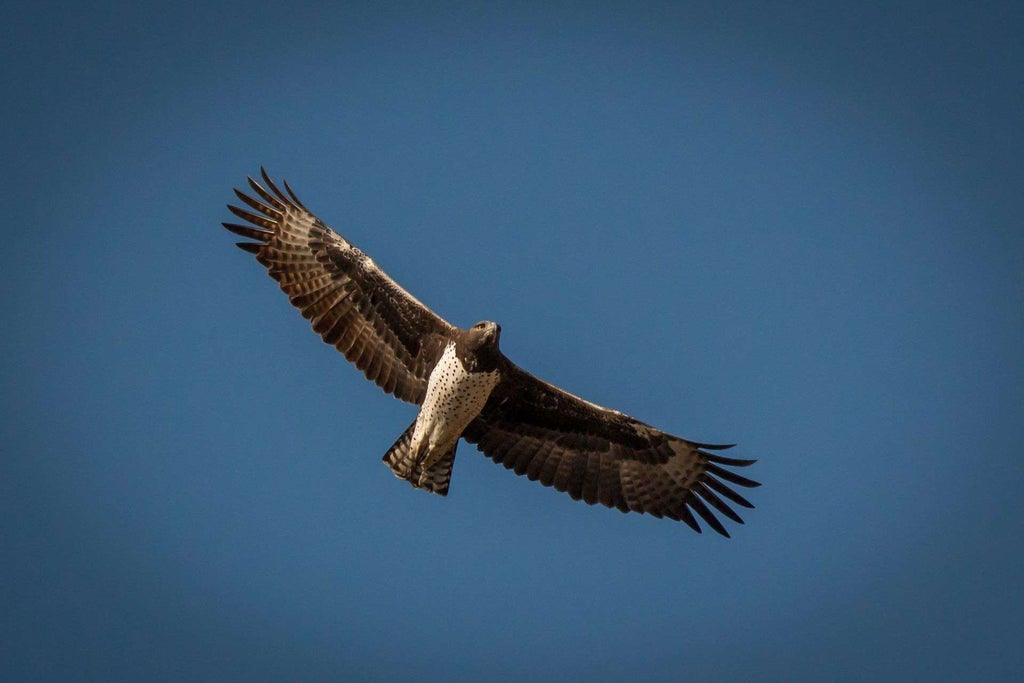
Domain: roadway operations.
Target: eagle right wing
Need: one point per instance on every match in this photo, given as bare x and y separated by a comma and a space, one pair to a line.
351, 303
604, 456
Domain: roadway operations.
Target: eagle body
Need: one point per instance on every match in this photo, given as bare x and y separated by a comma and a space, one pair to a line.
466, 388
455, 395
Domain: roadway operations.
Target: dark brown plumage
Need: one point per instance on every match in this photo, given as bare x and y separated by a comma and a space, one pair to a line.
592, 453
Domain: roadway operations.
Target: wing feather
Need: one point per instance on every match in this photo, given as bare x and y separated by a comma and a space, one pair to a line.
350, 302
604, 456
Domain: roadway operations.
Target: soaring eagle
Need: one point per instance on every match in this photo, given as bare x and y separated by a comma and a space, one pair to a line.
467, 388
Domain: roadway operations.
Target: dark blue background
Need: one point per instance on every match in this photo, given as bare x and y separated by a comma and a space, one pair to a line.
792, 227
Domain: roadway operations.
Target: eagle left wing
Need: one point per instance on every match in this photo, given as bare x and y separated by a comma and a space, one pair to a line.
602, 455
350, 302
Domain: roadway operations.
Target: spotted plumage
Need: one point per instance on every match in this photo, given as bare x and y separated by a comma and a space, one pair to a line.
454, 397
468, 389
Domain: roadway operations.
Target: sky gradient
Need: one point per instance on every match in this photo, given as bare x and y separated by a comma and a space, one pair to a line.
797, 229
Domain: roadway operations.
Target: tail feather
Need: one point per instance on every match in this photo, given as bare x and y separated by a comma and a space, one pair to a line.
407, 465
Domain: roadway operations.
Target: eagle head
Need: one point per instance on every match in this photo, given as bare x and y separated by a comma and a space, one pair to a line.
484, 334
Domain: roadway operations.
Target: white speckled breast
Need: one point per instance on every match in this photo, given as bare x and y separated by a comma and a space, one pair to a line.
454, 398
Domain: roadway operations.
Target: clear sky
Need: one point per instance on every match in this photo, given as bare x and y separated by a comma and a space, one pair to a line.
792, 227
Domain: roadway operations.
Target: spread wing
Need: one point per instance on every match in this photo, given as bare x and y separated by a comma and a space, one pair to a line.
350, 302
604, 456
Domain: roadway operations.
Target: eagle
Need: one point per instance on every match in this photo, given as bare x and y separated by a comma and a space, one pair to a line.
467, 389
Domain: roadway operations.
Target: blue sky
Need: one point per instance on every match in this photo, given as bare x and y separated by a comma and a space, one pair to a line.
797, 228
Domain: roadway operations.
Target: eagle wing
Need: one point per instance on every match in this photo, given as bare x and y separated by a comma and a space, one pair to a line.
351, 303
604, 456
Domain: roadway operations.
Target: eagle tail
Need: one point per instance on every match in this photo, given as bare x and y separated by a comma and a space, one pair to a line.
406, 465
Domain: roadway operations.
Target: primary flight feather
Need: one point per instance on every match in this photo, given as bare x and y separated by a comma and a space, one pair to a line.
466, 388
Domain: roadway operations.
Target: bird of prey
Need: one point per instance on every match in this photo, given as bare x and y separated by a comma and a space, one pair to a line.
466, 388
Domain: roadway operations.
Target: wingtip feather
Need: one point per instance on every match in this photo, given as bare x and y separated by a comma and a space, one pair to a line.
291, 193
731, 476
731, 462
714, 446
270, 183
248, 231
